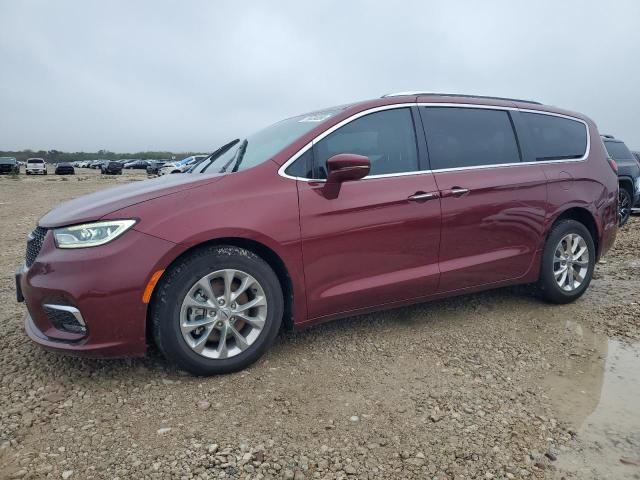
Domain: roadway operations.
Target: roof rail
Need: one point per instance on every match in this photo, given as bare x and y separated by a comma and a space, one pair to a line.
459, 95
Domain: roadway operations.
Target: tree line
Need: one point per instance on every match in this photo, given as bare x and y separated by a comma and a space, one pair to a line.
55, 156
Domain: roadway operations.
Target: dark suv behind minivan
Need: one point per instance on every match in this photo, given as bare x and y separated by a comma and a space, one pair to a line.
628, 176
347, 210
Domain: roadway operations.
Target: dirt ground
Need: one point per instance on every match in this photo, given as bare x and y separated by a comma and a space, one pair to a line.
494, 385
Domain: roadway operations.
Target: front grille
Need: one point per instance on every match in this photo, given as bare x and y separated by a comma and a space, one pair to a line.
34, 244
63, 320
6, 168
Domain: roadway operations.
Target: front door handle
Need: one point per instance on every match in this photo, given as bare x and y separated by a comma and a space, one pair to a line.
423, 196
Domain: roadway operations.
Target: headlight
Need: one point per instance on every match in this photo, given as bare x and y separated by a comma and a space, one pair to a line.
91, 234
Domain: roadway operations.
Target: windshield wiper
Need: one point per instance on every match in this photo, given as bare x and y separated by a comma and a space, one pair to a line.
215, 154
237, 157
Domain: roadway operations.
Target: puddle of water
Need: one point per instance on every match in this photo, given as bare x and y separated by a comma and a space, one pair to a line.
600, 394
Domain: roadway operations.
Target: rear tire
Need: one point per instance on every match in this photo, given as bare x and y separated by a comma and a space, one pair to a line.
179, 302
566, 269
625, 200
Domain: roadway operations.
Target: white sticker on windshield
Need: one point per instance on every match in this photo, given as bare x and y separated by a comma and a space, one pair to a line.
318, 117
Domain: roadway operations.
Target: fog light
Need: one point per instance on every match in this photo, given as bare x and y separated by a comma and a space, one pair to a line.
65, 318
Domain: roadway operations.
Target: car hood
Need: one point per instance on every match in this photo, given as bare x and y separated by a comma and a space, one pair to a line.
96, 205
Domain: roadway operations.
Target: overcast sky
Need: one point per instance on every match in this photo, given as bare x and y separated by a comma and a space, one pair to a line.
188, 75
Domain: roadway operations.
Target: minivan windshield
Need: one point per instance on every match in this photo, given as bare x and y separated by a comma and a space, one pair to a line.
263, 145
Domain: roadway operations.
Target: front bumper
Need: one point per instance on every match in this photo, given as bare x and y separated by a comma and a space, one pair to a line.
105, 284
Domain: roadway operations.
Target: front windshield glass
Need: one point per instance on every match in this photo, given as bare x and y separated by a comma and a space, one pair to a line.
8, 160
263, 145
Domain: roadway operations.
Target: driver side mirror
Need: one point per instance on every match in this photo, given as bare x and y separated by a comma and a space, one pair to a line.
346, 167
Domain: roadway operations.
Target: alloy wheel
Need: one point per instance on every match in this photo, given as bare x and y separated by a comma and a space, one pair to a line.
571, 262
624, 206
223, 314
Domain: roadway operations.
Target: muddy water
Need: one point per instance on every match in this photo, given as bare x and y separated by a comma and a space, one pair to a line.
599, 393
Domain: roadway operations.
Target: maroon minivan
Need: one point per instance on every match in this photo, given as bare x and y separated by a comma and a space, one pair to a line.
352, 209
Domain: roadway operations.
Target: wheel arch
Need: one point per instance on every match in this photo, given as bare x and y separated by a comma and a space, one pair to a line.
626, 183
583, 216
263, 251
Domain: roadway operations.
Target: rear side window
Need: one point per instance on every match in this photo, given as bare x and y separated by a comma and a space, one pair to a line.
387, 138
618, 150
469, 137
555, 138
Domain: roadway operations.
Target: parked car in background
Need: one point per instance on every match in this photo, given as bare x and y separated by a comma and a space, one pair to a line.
637, 155
111, 167
137, 165
628, 176
65, 168
9, 165
36, 166
321, 216
154, 167
182, 165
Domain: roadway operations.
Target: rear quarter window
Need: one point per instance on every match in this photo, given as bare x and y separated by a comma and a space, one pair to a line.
555, 138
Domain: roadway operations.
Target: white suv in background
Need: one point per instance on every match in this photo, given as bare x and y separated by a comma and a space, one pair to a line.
181, 166
36, 166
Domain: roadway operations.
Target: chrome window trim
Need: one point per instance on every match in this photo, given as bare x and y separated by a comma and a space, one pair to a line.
303, 150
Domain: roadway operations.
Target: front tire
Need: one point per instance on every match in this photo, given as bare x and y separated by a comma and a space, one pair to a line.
217, 310
568, 262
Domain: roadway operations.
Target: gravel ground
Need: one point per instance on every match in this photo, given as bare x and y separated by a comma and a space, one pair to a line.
494, 385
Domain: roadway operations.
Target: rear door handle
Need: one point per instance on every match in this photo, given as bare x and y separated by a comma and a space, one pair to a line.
455, 192
423, 196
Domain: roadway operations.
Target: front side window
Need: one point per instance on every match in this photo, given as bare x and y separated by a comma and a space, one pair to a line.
555, 138
302, 167
387, 138
469, 137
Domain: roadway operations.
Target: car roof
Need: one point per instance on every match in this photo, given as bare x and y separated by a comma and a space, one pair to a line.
421, 96
422, 93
